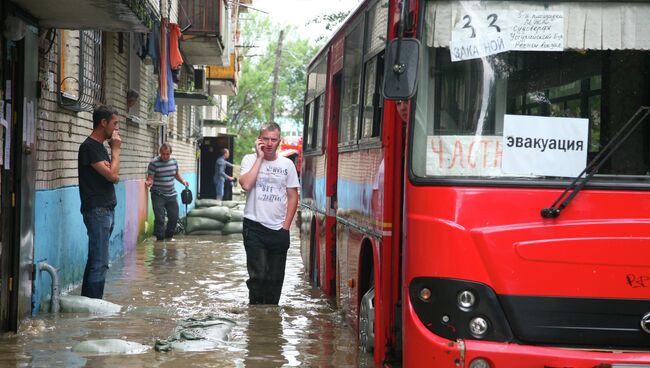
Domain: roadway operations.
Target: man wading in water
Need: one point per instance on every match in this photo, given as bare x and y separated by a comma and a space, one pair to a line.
271, 185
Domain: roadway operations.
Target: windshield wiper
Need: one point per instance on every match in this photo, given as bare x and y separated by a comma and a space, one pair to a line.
595, 164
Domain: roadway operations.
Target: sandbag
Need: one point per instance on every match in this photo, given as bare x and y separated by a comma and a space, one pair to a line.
236, 215
194, 334
82, 304
218, 213
233, 227
202, 223
110, 346
205, 232
207, 202
231, 204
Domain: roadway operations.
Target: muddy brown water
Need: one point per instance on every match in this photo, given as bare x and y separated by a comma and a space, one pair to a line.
161, 283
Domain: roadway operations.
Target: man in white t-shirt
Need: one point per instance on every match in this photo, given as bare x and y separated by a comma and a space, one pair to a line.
271, 185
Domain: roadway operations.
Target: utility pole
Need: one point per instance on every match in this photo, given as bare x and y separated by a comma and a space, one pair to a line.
276, 71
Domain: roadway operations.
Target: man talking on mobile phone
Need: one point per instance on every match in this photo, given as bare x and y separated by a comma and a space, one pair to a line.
97, 175
271, 185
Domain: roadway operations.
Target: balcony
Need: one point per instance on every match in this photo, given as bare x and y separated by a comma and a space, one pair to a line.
208, 34
102, 15
223, 80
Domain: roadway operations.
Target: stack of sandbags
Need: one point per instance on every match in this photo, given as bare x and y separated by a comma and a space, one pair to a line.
214, 217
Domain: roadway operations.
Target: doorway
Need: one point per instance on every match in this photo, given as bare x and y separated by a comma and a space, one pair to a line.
211, 148
19, 70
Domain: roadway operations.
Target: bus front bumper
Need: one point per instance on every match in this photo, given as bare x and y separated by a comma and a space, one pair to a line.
422, 348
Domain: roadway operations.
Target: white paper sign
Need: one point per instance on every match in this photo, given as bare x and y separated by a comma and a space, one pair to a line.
478, 32
464, 155
544, 146
537, 31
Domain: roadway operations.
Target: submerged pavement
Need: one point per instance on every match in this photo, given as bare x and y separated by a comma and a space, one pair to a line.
161, 284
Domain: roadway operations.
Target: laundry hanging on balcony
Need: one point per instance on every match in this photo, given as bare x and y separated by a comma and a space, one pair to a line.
154, 46
175, 58
165, 95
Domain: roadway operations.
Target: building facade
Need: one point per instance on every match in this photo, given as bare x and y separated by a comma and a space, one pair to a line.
57, 66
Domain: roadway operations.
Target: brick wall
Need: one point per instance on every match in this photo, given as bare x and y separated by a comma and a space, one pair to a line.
61, 131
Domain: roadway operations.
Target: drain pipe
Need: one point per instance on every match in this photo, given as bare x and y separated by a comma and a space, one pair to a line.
56, 291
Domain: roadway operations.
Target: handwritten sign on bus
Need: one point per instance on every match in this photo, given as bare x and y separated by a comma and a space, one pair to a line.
479, 33
537, 145
537, 31
464, 155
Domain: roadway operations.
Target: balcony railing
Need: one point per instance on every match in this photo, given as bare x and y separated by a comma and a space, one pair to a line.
203, 16
115, 15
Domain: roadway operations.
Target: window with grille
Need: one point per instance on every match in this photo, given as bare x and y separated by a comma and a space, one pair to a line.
80, 69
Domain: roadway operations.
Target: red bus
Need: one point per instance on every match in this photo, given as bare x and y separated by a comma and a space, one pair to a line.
505, 220
291, 148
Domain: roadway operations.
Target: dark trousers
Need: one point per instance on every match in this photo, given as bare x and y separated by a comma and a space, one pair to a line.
164, 206
99, 223
266, 258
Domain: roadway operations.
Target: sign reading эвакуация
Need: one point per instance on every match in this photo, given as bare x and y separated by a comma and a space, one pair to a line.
479, 33
544, 146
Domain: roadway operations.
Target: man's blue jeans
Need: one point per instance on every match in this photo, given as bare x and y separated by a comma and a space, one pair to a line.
99, 223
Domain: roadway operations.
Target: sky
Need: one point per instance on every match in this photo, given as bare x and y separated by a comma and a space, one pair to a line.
299, 12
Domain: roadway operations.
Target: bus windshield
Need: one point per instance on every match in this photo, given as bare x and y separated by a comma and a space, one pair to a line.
527, 115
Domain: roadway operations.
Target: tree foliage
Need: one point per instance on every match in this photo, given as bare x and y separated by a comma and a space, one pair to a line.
252, 105
332, 20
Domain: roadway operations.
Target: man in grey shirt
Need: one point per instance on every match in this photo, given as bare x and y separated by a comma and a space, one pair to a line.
160, 179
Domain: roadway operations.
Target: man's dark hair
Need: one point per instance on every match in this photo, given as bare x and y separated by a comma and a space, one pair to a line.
223, 151
132, 95
101, 113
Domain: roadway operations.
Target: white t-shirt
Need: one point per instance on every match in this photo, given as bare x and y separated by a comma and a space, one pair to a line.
266, 202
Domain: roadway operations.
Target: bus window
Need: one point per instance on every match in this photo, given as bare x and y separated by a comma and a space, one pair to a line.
309, 123
461, 107
319, 110
372, 100
352, 68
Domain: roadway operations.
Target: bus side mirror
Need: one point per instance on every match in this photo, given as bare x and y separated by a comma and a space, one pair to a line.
401, 69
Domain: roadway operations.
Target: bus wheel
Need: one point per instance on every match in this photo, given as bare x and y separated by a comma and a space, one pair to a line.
367, 322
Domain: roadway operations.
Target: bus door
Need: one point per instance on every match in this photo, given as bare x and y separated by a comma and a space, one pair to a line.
329, 287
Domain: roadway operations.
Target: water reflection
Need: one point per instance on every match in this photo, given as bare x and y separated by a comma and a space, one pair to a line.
265, 339
163, 282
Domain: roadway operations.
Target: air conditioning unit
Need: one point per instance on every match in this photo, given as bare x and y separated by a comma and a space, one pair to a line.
200, 81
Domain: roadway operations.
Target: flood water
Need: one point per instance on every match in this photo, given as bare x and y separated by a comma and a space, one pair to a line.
194, 276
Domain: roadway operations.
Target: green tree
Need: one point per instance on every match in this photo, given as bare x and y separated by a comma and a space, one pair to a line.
251, 106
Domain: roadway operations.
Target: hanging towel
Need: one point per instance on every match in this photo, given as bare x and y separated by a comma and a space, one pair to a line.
169, 105
165, 102
175, 57
154, 46
141, 45
164, 59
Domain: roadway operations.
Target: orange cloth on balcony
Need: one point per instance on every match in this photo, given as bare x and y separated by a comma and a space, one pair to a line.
162, 75
175, 57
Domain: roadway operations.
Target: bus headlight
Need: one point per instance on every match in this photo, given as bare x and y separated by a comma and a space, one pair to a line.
425, 294
466, 300
479, 363
462, 309
478, 326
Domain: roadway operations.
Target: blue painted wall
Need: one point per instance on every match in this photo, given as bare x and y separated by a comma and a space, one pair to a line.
60, 235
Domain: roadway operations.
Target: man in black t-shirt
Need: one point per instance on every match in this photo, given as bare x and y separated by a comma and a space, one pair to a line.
97, 175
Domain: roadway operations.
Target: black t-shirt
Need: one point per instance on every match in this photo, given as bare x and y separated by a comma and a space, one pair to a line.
94, 189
